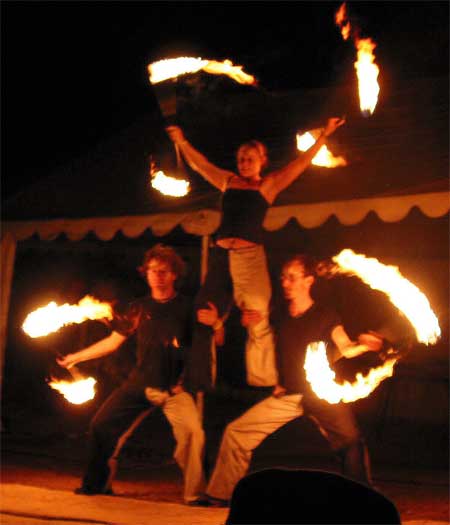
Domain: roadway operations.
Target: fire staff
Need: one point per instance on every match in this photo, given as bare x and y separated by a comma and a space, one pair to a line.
238, 265
300, 321
161, 322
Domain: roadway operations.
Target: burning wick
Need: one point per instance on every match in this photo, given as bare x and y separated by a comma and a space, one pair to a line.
76, 392
324, 157
52, 317
401, 292
174, 67
169, 185
366, 69
322, 378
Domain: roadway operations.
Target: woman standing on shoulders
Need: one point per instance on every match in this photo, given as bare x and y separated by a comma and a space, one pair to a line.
238, 265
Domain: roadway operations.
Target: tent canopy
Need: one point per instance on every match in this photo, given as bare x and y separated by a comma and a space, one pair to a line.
397, 159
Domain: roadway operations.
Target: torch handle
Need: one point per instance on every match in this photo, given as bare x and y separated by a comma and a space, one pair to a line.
74, 372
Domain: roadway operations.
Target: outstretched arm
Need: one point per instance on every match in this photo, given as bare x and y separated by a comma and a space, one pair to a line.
349, 348
278, 180
105, 346
197, 161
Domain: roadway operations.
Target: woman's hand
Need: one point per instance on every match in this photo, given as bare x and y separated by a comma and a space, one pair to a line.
332, 125
176, 134
208, 316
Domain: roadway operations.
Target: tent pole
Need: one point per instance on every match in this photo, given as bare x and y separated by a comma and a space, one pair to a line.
8, 254
200, 396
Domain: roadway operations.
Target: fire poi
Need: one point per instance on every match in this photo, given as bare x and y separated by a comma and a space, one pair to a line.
169, 70
366, 69
324, 157
52, 317
411, 303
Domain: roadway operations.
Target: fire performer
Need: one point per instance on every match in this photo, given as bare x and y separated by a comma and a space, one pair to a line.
238, 265
298, 322
161, 322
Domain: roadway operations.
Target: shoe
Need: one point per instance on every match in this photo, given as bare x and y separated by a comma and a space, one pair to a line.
217, 502
84, 491
200, 502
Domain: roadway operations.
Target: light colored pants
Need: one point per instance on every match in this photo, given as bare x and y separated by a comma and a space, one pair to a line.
243, 435
252, 291
182, 414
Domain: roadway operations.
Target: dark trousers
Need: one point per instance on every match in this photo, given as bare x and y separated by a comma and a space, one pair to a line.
218, 289
109, 429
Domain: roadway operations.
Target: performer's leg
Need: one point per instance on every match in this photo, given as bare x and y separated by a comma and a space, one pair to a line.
338, 425
243, 435
183, 416
111, 426
217, 289
252, 290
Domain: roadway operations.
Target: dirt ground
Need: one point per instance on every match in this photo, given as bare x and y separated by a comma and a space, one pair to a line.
421, 497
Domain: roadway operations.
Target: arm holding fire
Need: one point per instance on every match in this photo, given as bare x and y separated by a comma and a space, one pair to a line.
105, 346
277, 181
197, 161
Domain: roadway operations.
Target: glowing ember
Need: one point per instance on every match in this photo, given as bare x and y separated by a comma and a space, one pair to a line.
401, 292
77, 392
322, 378
173, 67
169, 185
323, 157
366, 69
52, 317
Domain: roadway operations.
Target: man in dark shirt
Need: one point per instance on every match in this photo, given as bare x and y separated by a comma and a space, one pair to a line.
161, 323
298, 323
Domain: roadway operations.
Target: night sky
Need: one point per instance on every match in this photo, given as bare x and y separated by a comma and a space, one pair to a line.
74, 73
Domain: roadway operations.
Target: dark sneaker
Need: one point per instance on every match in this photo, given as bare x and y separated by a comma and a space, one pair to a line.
84, 491
217, 503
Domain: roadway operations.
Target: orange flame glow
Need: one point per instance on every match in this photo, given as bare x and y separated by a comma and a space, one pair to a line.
52, 317
77, 392
322, 378
174, 67
367, 72
169, 185
401, 292
323, 157
366, 69
341, 20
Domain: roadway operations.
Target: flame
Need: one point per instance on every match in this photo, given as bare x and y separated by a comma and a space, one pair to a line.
401, 292
169, 185
173, 67
323, 157
341, 20
322, 377
366, 69
52, 317
77, 392
367, 72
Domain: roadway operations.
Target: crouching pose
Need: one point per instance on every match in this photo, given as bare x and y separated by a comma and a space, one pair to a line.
161, 322
299, 322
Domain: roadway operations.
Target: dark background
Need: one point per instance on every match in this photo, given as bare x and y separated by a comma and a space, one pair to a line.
74, 73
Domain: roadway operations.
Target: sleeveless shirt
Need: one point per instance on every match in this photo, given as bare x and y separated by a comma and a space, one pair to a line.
243, 213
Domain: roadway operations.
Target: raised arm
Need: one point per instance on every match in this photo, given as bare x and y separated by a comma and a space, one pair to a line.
197, 161
277, 181
105, 346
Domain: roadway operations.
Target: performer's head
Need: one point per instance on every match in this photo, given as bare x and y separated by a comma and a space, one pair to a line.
297, 276
251, 159
162, 267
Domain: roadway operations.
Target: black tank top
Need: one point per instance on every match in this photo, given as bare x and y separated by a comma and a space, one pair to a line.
243, 213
